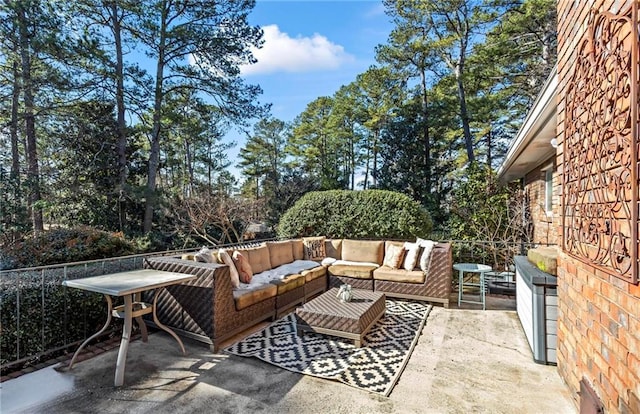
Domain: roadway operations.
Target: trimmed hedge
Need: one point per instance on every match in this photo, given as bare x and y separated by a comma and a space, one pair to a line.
367, 214
65, 246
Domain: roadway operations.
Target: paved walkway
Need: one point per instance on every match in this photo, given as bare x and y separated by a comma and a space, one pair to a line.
466, 361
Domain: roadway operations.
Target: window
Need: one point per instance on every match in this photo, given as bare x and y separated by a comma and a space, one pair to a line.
548, 192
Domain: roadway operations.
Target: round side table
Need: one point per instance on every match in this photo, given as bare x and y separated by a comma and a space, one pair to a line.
463, 268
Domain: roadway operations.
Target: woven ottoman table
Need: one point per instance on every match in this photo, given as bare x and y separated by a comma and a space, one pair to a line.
327, 315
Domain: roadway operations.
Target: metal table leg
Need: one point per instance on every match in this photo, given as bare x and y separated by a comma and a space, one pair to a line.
163, 327
124, 343
104, 328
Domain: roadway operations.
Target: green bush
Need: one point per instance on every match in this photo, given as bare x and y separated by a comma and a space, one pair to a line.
368, 214
64, 246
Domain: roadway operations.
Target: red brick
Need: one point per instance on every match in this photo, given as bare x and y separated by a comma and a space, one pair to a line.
589, 293
594, 282
600, 362
602, 303
634, 373
609, 391
621, 284
629, 304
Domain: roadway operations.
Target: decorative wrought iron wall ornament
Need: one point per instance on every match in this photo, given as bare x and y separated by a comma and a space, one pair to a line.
600, 148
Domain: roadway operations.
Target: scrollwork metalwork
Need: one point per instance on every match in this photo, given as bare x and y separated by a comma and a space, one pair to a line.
600, 168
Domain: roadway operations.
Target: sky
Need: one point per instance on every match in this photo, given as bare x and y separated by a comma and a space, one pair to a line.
311, 49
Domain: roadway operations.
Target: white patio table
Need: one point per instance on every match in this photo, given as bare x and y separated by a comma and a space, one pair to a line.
128, 285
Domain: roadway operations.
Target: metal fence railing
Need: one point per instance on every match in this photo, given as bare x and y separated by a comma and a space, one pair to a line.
497, 254
39, 317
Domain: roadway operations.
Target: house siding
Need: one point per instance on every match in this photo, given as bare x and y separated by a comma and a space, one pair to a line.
598, 314
544, 228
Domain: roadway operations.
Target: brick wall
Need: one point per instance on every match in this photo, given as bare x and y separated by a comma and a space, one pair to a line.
545, 227
599, 315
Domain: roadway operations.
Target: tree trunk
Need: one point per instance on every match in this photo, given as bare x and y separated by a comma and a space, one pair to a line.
352, 161
120, 114
489, 149
154, 154
366, 168
464, 115
33, 170
374, 171
13, 127
427, 139
187, 154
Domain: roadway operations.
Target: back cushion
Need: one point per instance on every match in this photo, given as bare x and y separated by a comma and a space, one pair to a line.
258, 258
333, 248
298, 249
280, 253
371, 251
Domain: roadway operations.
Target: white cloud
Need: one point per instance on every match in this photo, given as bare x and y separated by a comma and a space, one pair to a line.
282, 53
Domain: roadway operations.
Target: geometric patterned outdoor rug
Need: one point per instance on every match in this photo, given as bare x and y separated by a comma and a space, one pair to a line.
376, 367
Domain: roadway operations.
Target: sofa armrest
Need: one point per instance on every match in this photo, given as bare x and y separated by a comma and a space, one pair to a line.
439, 273
207, 299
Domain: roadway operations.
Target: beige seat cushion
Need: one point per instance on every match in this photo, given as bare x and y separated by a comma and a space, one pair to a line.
314, 273
280, 252
288, 283
357, 272
363, 250
398, 275
247, 297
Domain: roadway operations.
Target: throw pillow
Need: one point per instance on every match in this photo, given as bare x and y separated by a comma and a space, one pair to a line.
204, 255
245, 272
393, 256
225, 258
328, 261
411, 256
314, 248
427, 247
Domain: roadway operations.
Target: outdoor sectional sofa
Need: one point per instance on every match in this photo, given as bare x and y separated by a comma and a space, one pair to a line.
210, 309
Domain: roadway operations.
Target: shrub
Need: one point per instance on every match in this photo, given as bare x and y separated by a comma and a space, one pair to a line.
364, 214
65, 245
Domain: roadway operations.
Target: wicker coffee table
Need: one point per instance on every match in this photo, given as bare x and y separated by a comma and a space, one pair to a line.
327, 315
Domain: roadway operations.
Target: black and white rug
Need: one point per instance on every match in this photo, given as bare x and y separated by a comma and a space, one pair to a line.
375, 367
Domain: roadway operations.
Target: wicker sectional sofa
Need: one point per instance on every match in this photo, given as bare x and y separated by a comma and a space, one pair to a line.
360, 264
210, 309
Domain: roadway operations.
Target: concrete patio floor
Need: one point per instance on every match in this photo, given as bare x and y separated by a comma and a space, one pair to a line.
466, 361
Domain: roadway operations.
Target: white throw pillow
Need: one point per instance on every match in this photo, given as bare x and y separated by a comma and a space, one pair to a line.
204, 255
411, 257
328, 261
427, 246
225, 258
